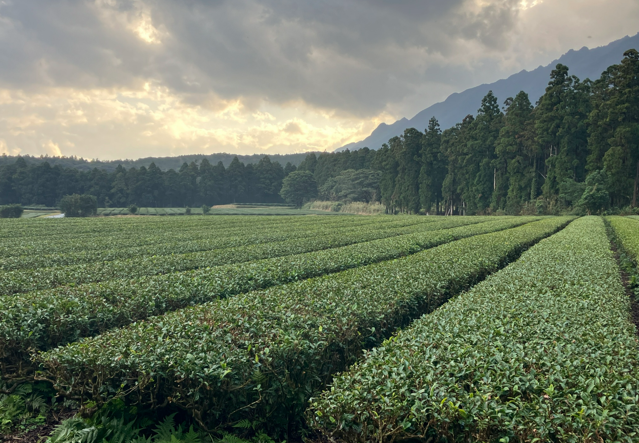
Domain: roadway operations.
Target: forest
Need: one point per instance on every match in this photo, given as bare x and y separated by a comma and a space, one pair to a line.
576, 149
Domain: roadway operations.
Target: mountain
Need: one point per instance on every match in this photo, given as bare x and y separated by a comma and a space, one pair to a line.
584, 63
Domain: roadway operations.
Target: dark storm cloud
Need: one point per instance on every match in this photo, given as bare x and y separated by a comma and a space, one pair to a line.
353, 56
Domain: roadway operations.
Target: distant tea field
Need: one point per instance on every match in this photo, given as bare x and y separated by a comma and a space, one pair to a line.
320, 328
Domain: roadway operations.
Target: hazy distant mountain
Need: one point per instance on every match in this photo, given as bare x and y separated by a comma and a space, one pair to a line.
585, 63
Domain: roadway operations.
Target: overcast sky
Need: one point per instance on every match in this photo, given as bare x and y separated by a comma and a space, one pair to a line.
116, 79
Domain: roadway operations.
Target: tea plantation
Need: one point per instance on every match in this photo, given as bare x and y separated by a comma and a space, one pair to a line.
319, 329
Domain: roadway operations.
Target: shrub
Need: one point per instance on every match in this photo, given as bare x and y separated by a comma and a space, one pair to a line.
206, 209
77, 205
133, 209
298, 187
188, 211
263, 354
11, 211
58, 318
540, 351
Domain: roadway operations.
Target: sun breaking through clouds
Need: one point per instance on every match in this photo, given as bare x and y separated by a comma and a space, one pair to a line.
132, 78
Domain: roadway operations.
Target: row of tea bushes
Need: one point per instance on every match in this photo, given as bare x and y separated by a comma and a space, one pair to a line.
83, 248
50, 229
540, 351
260, 356
626, 232
168, 258
42, 320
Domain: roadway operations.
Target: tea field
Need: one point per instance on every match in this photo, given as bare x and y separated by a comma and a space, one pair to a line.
319, 328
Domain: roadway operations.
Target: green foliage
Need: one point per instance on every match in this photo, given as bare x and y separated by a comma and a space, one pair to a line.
298, 187
515, 179
406, 150
562, 130
614, 128
540, 351
133, 209
352, 186
433, 168
76, 205
11, 211
260, 355
24, 405
570, 192
595, 198
187, 211
624, 235
104, 428
206, 209
194, 251
44, 319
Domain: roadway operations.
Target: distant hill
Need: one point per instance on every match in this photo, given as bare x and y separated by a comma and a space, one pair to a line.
164, 163
584, 63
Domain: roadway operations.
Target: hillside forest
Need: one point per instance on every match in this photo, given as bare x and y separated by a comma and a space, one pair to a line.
576, 149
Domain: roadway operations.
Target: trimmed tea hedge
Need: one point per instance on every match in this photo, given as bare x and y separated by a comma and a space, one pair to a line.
33, 250
626, 231
42, 320
167, 258
260, 356
541, 351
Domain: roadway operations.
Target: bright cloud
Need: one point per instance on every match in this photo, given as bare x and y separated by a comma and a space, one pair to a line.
133, 78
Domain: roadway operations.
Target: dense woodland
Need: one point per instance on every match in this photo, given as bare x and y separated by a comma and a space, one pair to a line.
192, 185
164, 163
576, 148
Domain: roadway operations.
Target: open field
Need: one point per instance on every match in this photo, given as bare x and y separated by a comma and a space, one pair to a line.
38, 213
235, 209
349, 328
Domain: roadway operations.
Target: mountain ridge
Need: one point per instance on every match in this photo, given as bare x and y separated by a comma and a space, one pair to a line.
584, 63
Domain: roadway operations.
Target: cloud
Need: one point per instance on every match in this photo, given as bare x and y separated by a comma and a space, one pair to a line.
292, 128
109, 78
352, 55
52, 149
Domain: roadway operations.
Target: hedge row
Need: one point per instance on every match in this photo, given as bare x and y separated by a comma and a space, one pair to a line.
42, 320
269, 245
112, 242
74, 228
626, 231
69, 229
87, 251
261, 355
541, 351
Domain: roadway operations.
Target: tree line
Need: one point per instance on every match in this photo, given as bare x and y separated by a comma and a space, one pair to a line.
576, 148
192, 185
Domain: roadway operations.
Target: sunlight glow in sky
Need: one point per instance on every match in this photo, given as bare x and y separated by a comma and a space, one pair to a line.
116, 79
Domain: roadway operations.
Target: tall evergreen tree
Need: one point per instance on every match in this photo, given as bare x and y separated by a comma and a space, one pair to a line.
433, 168
454, 146
408, 167
561, 123
208, 185
386, 163
309, 164
614, 129
269, 180
480, 171
515, 152
236, 180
